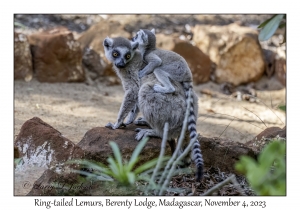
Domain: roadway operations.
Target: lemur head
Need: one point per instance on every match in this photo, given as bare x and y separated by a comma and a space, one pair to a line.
145, 38
119, 50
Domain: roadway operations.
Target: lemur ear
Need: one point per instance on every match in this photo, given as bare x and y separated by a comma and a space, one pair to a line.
134, 45
153, 31
144, 36
107, 42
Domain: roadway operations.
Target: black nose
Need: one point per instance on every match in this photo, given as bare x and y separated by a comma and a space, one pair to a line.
120, 65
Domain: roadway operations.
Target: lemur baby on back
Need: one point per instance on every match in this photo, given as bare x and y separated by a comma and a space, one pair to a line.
164, 64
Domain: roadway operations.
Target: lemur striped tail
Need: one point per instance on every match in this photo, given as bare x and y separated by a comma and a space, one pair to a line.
196, 151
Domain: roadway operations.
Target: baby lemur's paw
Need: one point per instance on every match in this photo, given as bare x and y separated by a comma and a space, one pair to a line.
141, 74
160, 89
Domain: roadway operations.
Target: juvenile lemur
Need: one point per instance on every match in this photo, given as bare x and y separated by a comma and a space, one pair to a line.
169, 66
157, 108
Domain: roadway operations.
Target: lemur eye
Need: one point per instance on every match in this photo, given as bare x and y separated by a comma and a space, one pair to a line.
128, 56
115, 54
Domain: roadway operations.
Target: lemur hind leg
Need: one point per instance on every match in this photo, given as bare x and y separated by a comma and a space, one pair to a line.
172, 144
141, 121
163, 78
132, 115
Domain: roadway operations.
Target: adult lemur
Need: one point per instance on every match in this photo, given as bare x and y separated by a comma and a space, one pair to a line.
157, 108
168, 66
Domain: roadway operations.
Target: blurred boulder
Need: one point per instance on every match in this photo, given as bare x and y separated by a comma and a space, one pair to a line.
92, 61
57, 56
199, 63
93, 39
93, 65
264, 137
280, 70
22, 58
235, 50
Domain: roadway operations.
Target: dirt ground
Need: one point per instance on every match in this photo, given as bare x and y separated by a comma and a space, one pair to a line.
75, 108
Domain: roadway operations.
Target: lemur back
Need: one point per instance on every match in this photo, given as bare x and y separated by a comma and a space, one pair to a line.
167, 66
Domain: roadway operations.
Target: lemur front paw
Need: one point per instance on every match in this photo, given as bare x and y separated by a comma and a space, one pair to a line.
115, 126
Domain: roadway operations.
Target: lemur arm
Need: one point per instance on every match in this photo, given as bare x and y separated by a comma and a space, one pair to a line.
128, 104
132, 114
153, 62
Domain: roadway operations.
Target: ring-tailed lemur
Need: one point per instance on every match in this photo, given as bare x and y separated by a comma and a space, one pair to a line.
157, 108
168, 65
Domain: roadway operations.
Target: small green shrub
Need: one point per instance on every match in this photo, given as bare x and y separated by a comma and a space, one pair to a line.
121, 170
267, 175
269, 27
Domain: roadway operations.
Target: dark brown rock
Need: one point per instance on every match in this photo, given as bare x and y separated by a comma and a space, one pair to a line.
57, 56
223, 153
39, 144
265, 137
199, 63
22, 58
54, 183
95, 144
280, 70
235, 50
217, 152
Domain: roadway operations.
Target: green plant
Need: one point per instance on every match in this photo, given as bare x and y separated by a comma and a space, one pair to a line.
267, 175
121, 170
282, 107
269, 27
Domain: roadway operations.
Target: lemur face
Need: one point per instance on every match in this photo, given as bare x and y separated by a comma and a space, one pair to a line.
119, 51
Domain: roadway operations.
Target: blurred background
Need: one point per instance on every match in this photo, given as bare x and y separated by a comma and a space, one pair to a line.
62, 76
